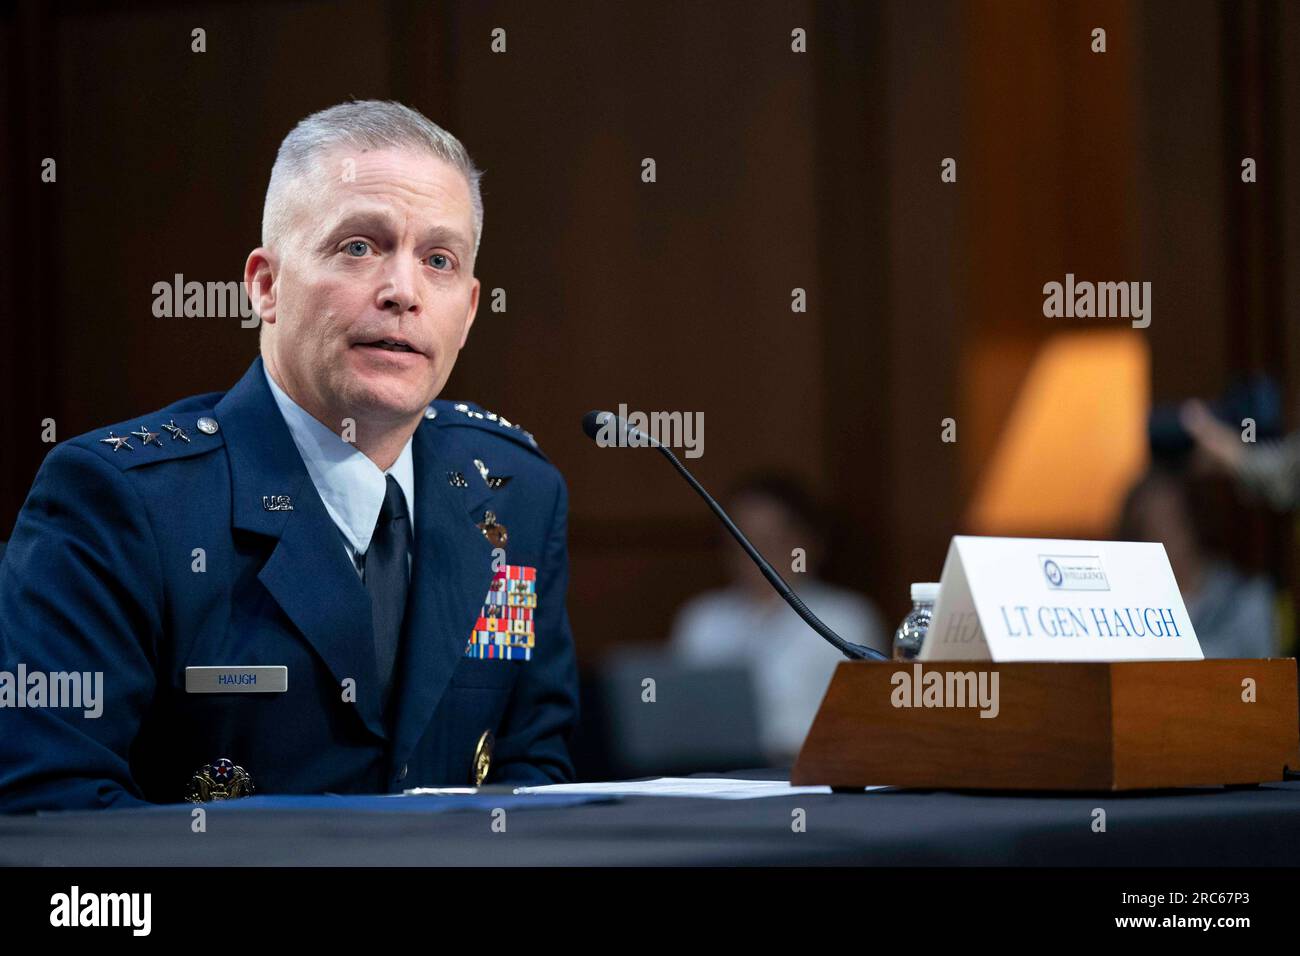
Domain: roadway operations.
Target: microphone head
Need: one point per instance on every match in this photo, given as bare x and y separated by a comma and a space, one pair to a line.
606, 428
593, 422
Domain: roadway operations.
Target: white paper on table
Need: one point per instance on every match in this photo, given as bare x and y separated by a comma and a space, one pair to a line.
716, 788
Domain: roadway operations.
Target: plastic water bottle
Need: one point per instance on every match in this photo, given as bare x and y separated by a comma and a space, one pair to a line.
911, 633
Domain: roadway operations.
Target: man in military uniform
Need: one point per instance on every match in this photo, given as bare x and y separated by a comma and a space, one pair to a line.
322, 580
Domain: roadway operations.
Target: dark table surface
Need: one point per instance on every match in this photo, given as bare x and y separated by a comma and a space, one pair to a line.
1196, 827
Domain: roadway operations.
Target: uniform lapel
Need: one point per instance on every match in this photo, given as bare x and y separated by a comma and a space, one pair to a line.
308, 572
450, 575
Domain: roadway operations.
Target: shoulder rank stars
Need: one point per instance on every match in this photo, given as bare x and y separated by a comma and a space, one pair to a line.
148, 436
494, 417
118, 442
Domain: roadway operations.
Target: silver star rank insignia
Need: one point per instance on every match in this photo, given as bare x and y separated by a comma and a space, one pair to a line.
118, 442
147, 436
175, 431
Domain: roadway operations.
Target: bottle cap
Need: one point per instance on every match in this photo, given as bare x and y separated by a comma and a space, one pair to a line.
925, 592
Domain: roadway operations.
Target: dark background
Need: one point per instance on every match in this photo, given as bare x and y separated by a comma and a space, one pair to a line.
776, 170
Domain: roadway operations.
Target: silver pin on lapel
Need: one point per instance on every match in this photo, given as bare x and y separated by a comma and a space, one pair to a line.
492, 481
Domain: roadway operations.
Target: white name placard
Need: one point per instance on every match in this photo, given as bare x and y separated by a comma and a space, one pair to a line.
1050, 599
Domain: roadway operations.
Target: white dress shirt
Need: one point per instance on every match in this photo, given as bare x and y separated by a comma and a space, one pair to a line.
790, 664
351, 486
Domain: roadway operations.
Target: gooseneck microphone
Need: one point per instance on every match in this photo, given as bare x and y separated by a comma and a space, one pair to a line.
608, 428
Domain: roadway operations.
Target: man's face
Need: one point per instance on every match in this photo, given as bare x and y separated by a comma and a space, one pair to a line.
382, 255
771, 529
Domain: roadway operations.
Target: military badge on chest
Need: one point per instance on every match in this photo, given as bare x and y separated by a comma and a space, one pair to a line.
493, 530
219, 780
504, 629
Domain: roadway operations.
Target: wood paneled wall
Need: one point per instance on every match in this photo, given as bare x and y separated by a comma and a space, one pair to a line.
776, 171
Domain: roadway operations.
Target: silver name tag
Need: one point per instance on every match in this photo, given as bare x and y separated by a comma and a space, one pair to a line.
271, 679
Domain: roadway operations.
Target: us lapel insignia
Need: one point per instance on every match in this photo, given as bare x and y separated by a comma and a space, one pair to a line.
277, 503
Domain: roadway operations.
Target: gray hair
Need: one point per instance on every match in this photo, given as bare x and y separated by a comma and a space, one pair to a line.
360, 124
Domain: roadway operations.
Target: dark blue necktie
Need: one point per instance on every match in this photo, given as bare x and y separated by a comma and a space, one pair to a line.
387, 580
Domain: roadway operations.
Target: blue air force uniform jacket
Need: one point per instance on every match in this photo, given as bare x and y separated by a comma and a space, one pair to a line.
141, 562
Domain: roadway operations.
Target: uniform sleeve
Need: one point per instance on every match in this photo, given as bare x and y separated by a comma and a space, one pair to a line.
533, 745
79, 593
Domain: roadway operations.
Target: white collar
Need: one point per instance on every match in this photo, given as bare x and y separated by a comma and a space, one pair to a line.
351, 485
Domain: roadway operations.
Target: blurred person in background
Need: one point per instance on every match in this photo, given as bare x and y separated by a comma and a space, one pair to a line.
1269, 471
748, 622
1232, 611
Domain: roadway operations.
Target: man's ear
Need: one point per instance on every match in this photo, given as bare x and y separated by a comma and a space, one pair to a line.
473, 311
260, 273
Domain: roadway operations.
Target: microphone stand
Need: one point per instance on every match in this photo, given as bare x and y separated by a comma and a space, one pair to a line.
854, 652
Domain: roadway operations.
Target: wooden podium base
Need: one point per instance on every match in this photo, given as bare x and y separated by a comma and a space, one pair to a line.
1090, 726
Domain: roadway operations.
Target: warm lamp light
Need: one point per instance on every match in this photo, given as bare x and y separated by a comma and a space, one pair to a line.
1075, 441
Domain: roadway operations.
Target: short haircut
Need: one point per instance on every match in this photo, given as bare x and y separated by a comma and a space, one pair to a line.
787, 492
360, 124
